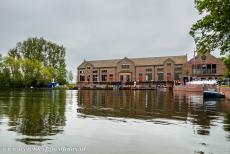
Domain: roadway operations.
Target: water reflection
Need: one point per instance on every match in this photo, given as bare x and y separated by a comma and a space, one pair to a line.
105, 121
156, 107
34, 114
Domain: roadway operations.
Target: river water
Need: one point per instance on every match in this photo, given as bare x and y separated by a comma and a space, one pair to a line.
107, 121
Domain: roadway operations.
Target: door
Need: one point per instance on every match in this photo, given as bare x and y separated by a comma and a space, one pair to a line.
125, 77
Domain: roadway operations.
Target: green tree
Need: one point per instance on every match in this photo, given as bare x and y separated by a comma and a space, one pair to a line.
4, 73
14, 66
49, 54
213, 30
226, 61
48, 73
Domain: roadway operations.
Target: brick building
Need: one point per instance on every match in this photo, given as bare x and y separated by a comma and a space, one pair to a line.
204, 67
168, 68
132, 69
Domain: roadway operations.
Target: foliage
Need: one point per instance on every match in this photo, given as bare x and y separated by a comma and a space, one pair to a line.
226, 61
213, 30
47, 53
34, 62
24, 73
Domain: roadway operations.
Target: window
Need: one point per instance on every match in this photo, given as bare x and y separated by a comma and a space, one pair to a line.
178, 69
209, 70
213, 68
95, 78
203, 57
149, 77
204, 69
169, 64
177, 76
149, 70
121, 78
125, 66
196, 69
160, 69
95, 71
88, 67
160, 76
81, 72
140, 76
82, 78
104, 71
104, 78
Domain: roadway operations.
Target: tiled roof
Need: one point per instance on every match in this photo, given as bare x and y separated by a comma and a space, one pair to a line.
138, 61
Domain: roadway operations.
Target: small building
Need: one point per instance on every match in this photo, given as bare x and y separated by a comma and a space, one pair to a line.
132, 69
204, 67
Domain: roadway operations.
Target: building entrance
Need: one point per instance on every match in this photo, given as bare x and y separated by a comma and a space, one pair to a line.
125, 77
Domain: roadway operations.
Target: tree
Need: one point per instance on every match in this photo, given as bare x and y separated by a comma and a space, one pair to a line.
14, 66
213, 30
226, 61
49, 54
4, 73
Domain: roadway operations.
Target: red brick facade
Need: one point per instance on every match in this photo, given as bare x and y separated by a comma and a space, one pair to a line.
150, 69
204, 67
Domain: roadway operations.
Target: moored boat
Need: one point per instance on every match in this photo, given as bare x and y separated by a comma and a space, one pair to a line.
213, 94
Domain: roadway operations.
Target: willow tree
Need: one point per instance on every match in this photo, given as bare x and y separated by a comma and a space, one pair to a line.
49, 54
213, 30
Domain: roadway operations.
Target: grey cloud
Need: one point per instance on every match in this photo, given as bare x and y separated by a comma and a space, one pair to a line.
101, 29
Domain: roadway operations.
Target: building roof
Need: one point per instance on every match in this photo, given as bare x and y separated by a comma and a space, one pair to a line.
138, 61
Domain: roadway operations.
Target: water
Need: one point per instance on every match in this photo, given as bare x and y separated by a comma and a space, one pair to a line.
124, 122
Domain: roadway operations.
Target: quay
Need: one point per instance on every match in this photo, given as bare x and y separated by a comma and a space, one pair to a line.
148, 85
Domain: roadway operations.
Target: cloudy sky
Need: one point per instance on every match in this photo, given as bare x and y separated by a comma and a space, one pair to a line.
101, 29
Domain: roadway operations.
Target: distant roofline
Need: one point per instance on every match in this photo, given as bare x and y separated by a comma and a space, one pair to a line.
136, 58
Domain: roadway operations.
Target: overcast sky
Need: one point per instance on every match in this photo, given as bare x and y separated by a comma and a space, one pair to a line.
101, 29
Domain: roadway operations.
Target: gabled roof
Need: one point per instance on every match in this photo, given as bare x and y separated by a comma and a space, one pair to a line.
138, 61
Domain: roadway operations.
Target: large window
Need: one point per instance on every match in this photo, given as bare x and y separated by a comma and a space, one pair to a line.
95, 78
149, 70
160, 76
209, 69
95, 71
104, 71
125, 66
149, 77
104, 78
82, 78
197, 69
213, 68
169, 64
204, 69
160, 69
140, 76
